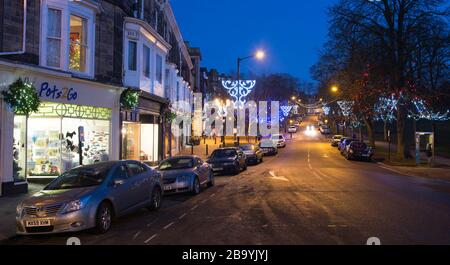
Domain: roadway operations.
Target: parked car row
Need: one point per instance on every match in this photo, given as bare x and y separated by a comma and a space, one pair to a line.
92, 196
351, 148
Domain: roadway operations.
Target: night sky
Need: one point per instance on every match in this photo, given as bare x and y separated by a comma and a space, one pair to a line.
290, 31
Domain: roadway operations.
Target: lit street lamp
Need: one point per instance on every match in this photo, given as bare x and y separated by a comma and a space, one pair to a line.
259, 55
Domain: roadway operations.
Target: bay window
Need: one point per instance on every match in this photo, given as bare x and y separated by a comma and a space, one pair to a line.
68, 35
54, 38
78, 44
132, 55
146, 58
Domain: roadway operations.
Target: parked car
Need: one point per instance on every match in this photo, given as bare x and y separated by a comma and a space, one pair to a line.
358, 150
268, 147
279, 140
341, 142
324, 129
292, 129
90, 196
231, 159
345, 144
185, 174
253, 153
336, 140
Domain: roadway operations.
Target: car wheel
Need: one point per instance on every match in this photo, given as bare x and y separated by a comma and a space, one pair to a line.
196, 186
103, 219
212, 180
156, 199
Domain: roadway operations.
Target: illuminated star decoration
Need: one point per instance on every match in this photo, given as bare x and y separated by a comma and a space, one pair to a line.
238, 90
385, 109
346, 107
326, 110
423, 112
285, 110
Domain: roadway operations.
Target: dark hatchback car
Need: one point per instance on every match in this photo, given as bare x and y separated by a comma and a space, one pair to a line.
344, 143
358, 150
230, 159
185, 174
253, 152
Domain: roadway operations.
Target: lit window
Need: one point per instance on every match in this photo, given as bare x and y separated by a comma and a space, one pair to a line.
78, 44
159, 74
132, 55
146, 58
54, 38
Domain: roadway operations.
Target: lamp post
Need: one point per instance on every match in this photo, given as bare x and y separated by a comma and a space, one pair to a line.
258, 55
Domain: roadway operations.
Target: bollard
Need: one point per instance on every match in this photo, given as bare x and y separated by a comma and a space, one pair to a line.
192, 149
207, 153
215, 140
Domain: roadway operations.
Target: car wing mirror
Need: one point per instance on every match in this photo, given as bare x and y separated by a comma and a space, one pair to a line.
118, 182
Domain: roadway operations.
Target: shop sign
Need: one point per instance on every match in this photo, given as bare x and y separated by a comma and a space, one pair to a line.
52, 92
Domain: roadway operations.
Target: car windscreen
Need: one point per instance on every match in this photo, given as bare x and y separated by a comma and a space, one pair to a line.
80, 177
224, 153
176, 163
247, 147
358, 146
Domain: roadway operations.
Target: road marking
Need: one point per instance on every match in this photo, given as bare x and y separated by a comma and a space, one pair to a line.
317, 175
182, 216
195, 207
322, 174
277, 177
212, 195
204, 201
169, 225
136, 235
150, 239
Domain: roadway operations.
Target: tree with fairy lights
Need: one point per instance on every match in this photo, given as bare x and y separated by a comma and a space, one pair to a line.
385, 111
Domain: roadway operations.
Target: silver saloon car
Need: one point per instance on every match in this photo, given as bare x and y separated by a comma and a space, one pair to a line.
90, 197
185, 174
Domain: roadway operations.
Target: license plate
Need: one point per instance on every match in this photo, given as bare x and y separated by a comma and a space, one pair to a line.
38, 223
168, 188
217, 169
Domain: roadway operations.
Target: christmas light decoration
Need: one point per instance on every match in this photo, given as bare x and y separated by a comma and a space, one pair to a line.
385, 109
22, 97
421, 111
238, 90
326, 110
129, 99
346, 107
286, 110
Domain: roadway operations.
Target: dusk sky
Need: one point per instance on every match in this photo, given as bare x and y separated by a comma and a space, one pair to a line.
290, 31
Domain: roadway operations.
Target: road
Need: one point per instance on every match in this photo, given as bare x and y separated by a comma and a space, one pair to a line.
308, 194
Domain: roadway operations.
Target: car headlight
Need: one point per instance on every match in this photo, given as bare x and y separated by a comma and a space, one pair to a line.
19, 210
75, 205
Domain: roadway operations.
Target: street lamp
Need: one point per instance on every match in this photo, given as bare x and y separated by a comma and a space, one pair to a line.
259, 55
334, 89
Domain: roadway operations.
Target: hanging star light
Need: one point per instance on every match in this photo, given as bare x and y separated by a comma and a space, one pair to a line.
346, 107
421, 111
238, 90
286, 110
326, 110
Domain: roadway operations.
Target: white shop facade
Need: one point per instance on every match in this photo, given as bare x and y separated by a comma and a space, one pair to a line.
77, 123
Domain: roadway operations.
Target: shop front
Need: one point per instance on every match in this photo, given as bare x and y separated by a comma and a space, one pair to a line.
143, 130
76, 124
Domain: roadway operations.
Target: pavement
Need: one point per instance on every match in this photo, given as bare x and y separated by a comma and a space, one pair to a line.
308, 194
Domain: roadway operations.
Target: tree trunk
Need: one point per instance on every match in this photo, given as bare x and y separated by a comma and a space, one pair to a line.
401, 144
370, 134
385, 130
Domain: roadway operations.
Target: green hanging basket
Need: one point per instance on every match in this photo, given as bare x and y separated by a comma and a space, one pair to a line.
22, 97
170, 115
129, 99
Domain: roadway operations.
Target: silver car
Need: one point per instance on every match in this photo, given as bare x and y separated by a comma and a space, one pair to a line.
90, 197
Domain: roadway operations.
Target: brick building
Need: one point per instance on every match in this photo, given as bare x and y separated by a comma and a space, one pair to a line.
80, 56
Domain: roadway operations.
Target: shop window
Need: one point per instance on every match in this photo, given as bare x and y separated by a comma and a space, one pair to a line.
146, 58
140, 140
54, 38
19, 148
132, 55
78, 44
50, 150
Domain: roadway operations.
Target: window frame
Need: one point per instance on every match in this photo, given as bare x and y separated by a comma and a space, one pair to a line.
67, 9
